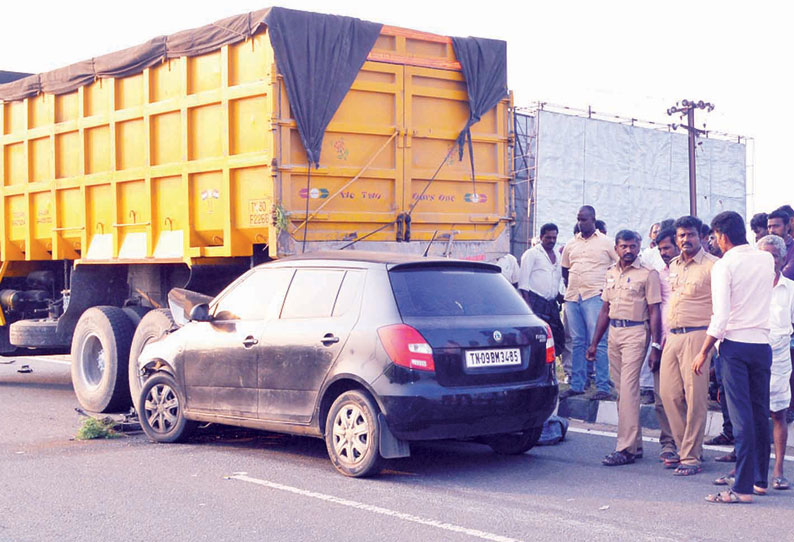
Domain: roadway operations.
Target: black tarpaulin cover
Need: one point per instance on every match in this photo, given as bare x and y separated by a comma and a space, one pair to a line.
134, 60
319, 57
484, 64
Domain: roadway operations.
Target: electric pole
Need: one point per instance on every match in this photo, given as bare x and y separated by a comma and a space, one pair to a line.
687, 107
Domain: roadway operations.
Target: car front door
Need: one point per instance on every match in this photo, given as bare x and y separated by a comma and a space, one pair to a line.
299, 348
220, 359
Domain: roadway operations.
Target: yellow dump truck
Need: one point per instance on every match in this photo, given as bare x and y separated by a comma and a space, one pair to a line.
190, 158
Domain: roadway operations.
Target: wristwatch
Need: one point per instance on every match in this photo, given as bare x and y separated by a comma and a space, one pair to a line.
656, 345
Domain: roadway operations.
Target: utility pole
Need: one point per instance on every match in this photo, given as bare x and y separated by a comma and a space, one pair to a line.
687, 107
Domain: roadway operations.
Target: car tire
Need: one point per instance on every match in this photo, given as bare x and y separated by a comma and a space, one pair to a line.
514, 443
352, 435
152, 327
100, 354
162, 410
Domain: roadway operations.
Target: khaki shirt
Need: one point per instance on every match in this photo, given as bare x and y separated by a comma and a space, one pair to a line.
630, 291
587, 261
690, 298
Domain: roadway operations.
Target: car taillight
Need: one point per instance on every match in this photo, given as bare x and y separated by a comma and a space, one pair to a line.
406, 347
550, 356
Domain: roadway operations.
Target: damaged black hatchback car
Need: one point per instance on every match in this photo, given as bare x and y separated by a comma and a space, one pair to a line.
369, 351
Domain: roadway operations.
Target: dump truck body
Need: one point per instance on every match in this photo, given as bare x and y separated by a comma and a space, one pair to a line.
190, 170
199, 157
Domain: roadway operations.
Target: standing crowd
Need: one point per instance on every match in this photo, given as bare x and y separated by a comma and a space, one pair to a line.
656, 324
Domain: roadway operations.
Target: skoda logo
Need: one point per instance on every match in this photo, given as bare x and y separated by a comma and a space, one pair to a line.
497, 336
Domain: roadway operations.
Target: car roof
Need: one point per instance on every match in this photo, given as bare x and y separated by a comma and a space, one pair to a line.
389, 259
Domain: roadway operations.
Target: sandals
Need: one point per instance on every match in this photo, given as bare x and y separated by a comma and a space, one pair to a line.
616, 459
729, 497
668, 456
687, 470
729, 479
781, 482
725, 480
672, 461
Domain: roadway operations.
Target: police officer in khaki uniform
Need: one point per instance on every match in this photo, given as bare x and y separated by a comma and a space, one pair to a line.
685, 393
631, 296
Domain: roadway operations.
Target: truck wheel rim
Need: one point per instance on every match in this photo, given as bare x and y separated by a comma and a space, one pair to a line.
161, 408
93, 360
351, 435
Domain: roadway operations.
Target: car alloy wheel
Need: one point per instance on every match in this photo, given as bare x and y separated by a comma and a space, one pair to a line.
161, 416
161, 408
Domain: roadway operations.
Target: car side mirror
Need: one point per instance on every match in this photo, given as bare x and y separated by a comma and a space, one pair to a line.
200, 313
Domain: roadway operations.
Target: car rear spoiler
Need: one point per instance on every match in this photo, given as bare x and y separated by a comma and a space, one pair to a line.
446, 263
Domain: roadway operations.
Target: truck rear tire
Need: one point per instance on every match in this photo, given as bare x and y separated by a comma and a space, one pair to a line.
151, 328
136, 312
100, 354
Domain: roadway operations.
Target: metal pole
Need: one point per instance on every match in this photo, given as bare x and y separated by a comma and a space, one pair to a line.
693, 193
688, 107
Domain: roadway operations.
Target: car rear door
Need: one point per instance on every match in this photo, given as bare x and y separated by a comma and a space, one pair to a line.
299, 348
481, 331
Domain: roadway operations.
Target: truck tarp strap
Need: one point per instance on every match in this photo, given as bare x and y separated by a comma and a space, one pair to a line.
484, 65
319, 57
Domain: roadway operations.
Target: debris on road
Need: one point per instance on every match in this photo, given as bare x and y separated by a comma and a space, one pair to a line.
107, 426
25, 369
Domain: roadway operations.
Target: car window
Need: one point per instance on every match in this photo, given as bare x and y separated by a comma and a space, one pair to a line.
257, 297
312, 293
348, 293
454, 292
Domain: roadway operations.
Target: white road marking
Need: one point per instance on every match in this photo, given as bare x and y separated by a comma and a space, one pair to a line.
374, 509
586, 431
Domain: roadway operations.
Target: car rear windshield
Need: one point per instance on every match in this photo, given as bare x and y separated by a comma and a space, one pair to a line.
450, 291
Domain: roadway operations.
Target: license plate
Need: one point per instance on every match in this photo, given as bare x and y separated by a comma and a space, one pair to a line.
493, 358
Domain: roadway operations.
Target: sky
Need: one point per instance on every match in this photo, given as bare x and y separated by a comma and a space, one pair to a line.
634, 59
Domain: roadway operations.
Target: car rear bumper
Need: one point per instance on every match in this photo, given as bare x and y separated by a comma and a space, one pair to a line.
435, 412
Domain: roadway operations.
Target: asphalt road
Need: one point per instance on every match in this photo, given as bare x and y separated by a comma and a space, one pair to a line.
243, 485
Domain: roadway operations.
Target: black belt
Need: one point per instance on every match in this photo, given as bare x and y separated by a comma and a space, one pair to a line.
625, 323
681, 330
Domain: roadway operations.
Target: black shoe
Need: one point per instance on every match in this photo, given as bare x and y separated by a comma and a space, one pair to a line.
646, 397
720, 440
601, 396
728, 458
570, 393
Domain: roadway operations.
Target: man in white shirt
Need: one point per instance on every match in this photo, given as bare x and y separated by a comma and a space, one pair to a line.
650, 256
509, 265
780, 322
741, 292
539, 280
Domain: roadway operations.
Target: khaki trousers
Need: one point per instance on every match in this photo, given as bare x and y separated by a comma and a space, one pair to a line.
685, 394
626, 349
